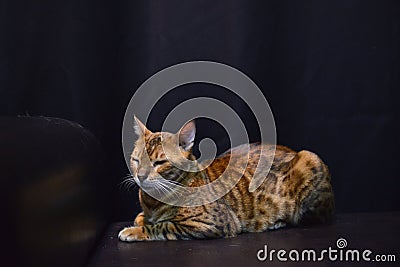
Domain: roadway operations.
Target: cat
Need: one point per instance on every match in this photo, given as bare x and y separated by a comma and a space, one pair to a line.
297, 189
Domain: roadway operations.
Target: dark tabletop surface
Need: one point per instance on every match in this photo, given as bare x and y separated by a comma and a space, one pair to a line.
377, 232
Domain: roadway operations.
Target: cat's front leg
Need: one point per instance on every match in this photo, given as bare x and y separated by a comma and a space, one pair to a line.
139, 220
160, 231
169, 231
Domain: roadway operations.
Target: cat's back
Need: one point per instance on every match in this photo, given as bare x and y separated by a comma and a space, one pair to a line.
246, 160
250, 155
280, 159
297, 183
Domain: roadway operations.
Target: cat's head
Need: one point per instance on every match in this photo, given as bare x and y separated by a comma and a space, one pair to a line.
162, 154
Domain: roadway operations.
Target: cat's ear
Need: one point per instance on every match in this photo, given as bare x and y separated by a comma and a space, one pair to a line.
140, 128
186, 135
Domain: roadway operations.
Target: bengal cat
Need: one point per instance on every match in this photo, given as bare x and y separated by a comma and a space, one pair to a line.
297, 189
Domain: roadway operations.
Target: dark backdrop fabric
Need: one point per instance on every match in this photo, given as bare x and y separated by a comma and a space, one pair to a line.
329, 69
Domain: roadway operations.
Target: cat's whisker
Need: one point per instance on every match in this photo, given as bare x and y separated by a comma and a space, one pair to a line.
170, 190
168, 183
131, 184
127, 176
180, 192
174, 182
123, 183
175, 186
128, 182
162, 191
157, 190
151, 185
165, 189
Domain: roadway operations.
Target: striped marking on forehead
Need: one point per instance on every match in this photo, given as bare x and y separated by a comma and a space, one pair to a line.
152, 144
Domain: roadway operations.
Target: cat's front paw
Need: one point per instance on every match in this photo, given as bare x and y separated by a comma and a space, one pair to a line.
132, 234
277, 225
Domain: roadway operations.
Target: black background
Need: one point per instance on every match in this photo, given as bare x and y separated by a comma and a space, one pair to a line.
329, 69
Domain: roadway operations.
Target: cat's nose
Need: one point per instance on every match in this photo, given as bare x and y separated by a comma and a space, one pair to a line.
141, 177
142, 173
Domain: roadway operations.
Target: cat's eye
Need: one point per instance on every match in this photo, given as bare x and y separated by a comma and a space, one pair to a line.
135, 160
159, 162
